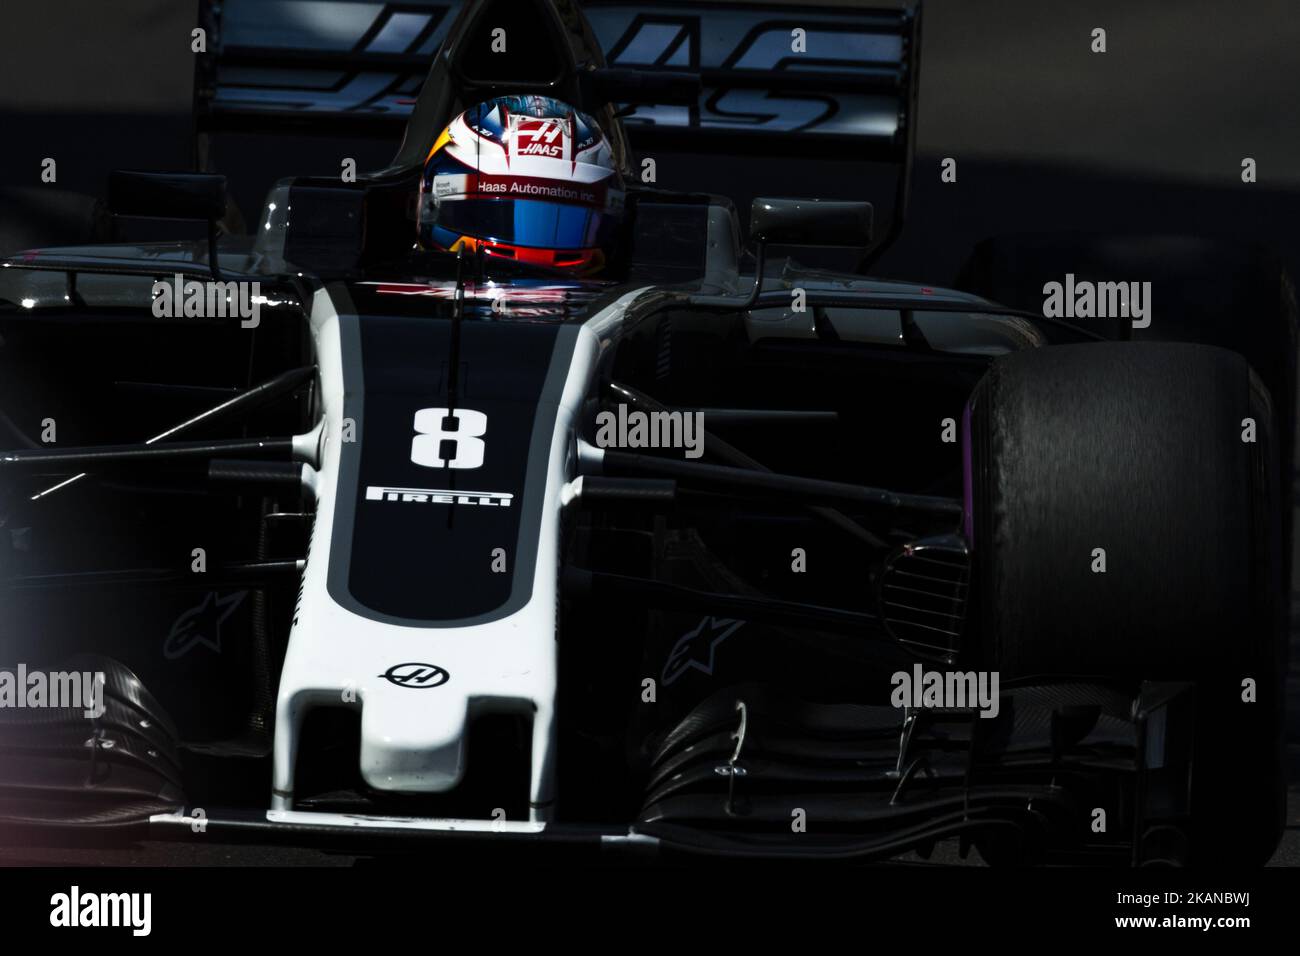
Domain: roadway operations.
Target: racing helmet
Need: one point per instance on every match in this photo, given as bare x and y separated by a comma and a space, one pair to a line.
526, 178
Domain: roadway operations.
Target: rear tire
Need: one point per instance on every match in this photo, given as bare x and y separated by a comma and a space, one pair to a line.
1137, 449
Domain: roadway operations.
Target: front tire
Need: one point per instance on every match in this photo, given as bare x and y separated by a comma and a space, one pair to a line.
1126, 530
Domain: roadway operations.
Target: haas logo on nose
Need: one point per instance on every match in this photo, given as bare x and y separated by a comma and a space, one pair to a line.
418, 675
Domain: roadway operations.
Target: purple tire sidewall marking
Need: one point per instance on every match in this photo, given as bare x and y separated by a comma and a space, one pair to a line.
967, 482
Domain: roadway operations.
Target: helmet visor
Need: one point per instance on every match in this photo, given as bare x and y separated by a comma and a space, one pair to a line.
527, 222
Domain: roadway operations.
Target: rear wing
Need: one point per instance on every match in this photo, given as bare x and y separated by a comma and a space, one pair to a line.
843, 78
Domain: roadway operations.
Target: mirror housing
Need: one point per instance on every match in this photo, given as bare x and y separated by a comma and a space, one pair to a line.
167, 195
810, 222
133, 192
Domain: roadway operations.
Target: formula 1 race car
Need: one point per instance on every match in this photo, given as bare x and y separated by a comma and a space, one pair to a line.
500, 497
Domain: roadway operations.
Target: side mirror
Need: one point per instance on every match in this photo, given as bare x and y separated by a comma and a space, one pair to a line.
810, 222
171, 196
795, 222
167, 195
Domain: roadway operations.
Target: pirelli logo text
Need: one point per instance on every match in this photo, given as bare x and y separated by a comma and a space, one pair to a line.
438, 496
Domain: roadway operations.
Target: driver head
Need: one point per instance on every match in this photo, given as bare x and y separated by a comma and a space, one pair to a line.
525, 178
